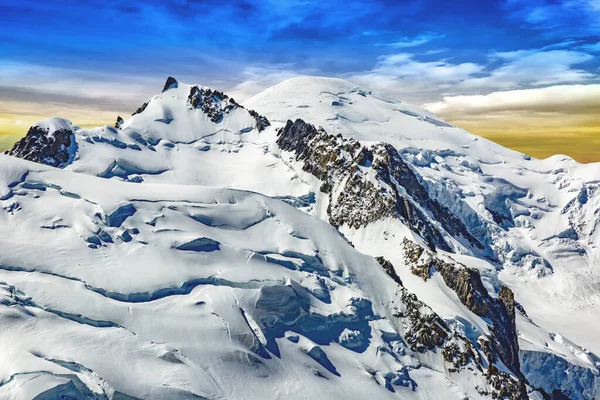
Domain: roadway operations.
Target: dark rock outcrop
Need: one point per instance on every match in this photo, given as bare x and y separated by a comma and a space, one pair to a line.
51, 148
261, 121
396, 192
119, 123
141, 108
389, 269
506, 328
171, 83
392, 170
424, 330
468, 286
213, 103
217, 104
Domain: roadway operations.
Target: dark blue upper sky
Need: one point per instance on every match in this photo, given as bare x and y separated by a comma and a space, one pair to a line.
196, 37
113, 53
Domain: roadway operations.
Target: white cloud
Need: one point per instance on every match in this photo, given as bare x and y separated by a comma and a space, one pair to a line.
404, 76
561, 99
559, 18
406, 42
593, 47
404, 66
525, 68
413, 80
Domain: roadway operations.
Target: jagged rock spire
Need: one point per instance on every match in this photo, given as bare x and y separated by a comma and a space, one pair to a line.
171, 83
120, 122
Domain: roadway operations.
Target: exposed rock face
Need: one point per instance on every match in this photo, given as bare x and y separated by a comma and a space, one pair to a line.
141, 108
261, 121
51, 148
355, 199
466, 283
507, 334
213, 103
216, 104
424, 330
171, 83
389, 269
391, 168
119, 123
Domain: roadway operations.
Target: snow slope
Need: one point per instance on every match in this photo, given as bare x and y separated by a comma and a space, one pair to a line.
538, 216
171, 141
178, 291
543, 232
153, 265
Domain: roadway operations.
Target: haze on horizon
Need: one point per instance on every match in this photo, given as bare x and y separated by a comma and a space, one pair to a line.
525, 73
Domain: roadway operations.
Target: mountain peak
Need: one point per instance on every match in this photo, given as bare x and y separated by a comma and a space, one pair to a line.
50, 141
309, 86
321, 81
54, 124
341, 106
186, 113
171, 83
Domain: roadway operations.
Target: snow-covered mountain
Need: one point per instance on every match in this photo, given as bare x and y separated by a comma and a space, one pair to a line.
319, 240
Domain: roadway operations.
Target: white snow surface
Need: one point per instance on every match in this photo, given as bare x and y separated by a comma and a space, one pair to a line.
149, 265
54, 124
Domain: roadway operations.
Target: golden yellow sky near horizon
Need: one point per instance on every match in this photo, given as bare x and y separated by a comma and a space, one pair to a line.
537, 137
13, 128
577, 139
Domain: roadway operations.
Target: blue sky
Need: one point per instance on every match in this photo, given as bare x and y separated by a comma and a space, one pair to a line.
86, 56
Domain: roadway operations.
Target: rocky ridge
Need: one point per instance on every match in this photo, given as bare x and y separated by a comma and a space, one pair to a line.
357, 196
215, 104
425, 331
466, 283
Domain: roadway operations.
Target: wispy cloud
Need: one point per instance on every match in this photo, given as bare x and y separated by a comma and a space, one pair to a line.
406, 75
30, 92
592, 47
419, 40
414, 80
558, 18
526, 68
